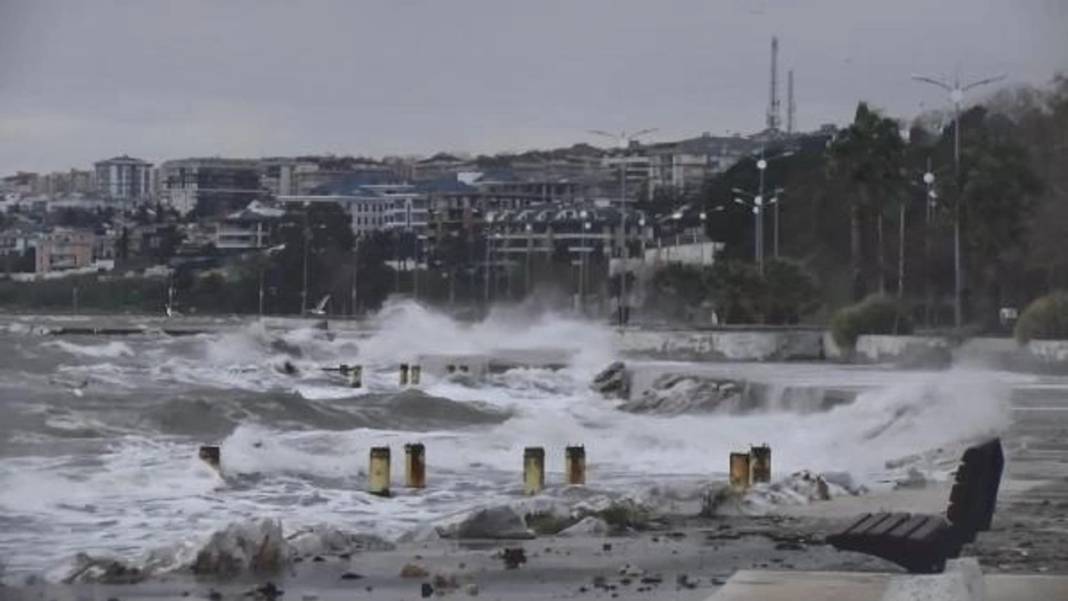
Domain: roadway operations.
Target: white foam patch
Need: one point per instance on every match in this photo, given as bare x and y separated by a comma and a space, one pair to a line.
112, 350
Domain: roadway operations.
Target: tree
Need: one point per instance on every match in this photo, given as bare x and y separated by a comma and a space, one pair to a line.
867, 158
320, 233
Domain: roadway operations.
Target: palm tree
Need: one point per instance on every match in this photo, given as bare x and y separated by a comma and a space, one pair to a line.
866, 159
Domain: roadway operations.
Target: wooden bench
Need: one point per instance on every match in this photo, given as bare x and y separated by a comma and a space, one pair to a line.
922, 543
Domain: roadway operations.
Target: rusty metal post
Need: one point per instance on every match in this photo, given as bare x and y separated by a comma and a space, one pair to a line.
403, 374
414, 374
415, 465
575, 458
739, 471
760, 464
379, 474
533, 470
211, 455
356, 376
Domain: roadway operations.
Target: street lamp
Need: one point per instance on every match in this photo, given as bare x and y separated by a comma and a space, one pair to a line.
956, 96
529, 229
623, 140
762, 165
757, 206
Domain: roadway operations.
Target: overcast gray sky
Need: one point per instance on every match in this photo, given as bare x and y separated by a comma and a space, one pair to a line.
83, 80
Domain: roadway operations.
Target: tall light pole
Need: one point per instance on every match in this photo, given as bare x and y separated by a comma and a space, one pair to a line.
486, 292
956, 96
623, 140
529, 229
762, 166
757, 205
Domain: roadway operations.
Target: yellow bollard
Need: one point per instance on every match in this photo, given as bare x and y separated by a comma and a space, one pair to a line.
760, 464
533, 470
739, 471
415, 372
575, 457
415, 465
378, 476
403, 374
211, 455
356, 376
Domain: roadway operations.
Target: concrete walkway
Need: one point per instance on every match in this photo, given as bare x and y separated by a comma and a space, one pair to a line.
762, 585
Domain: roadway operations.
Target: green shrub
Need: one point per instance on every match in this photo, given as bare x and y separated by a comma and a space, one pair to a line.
875, 314
1044, 319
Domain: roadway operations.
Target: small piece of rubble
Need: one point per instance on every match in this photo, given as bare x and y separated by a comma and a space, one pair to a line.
613, 381
587, 526
513, 557
411, 570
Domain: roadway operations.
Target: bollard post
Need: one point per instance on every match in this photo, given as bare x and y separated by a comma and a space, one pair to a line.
211, 455
403, 374
356, 376
739, 471
343, 368
760, 464
575, 458
414, 373
450, 369
415, 465
378, 475
533, 470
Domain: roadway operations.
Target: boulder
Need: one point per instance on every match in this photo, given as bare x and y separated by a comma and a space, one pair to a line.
328, 540
103, 570
255, 545
613, 381
501, 522
673, 394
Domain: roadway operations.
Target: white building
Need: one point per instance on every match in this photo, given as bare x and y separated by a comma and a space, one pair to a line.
124, 179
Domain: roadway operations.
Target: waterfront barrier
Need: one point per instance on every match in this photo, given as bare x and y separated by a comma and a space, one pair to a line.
575, 464
760, 464
378, 476
533, 470
739, 471
415, 465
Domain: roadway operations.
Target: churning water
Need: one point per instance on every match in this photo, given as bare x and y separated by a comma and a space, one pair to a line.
99, 436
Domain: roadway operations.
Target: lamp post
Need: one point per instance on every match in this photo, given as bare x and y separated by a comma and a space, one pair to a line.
529, 229
623, 139
487, 269
956, 96
704, 218
762, 165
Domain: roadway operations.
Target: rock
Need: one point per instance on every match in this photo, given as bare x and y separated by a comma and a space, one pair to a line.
214, 595
501, 522
255, 546
323, 539
267, 592
587, 526
410, 570
102, 570
426, 590
471, 589
443, 583
351, 576
673, 394
606, 547
613, 381
654, 579
513, 557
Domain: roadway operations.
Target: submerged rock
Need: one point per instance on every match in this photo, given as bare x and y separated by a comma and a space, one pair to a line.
103, 570
613, 381
672, 394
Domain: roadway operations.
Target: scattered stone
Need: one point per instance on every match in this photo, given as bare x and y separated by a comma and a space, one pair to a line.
443, 583
600, 582
368, 588
719, 581
267, 592
102, 570
654, 579
625, 581
683, 581
214, 595
318, 559
513, 557
344, 555
583, 589
351, 576
411, 570
471, 589
789, 546
587, 526
606, 547
426, 590
309, 597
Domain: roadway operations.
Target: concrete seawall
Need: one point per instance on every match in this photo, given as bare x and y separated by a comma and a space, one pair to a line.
804, 344
724, 345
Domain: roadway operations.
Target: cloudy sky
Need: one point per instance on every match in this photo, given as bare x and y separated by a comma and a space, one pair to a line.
83, 80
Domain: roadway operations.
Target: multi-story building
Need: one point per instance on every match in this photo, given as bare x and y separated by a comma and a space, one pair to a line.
64, 249
210, 187
366, 205
248, 229
124, 179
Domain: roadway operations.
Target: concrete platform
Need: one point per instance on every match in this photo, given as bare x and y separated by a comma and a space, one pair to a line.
767, 585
